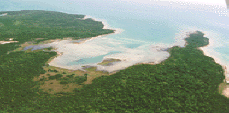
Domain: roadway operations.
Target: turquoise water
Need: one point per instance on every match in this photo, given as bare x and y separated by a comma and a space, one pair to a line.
147, 29
91, 60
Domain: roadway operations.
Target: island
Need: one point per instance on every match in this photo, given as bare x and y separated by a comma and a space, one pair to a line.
188, 81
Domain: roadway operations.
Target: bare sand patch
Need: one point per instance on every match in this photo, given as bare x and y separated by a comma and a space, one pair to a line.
6, 42
225, 92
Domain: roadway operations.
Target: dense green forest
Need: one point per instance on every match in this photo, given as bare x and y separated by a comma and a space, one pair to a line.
187, 82
27, 25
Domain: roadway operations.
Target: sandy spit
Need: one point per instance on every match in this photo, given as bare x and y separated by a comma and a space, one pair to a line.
6, 42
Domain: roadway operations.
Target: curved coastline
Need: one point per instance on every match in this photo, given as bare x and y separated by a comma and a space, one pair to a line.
105, 26
183, 33
208, 51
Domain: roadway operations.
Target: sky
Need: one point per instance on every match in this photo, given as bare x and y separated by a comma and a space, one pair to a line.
207, 2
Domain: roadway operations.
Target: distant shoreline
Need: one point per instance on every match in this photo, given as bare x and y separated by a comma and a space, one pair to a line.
105, 26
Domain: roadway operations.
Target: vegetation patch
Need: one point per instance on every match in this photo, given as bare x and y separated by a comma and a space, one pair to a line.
108, 62
76, 79
52, 70
57, 76
70, 76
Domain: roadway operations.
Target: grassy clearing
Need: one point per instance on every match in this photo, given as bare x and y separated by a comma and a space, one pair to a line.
54, 86
222, 86
58, 80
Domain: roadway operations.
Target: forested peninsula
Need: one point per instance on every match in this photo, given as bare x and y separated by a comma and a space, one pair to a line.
188, 81
36, 26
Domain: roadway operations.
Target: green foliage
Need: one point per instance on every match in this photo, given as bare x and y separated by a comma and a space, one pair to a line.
70, 76
197, 40
27, 25
85, 76
52, 77
79, 79
49, 70
55, 71
63, 82
57, 76
71, 79
42, 79
16, 79
4, 48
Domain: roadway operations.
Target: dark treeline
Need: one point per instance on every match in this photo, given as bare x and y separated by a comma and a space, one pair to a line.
17, 70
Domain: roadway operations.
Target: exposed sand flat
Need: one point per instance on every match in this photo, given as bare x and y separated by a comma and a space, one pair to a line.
3, 14
6, 42
226, 92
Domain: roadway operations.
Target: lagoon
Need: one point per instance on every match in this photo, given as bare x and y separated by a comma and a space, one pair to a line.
146, 29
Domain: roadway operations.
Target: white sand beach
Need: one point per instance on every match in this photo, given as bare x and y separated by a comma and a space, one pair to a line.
208, 51
105, 26
6, 42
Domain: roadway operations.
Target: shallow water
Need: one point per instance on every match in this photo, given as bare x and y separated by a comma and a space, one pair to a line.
36, 47
91, 60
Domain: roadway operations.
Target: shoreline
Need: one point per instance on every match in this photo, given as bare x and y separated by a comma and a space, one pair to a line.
185, 33
105, 26
207, 52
